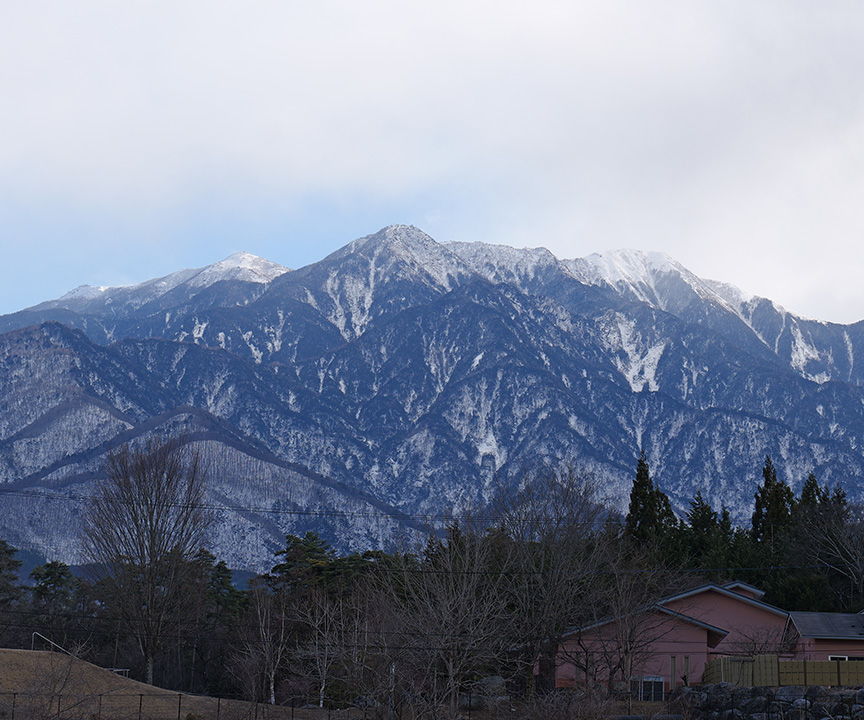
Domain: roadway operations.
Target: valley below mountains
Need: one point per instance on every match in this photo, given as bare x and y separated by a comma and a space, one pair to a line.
401, 381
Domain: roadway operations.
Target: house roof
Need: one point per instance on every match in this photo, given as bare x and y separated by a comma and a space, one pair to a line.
829, 626
728, 593
737, 586
715, 634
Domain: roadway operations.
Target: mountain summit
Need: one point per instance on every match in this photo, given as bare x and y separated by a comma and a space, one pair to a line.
401, 380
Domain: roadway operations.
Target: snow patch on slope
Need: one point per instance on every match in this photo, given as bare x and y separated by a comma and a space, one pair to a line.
635, 361
802, 353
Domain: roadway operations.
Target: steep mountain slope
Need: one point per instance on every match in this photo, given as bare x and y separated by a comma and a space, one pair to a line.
400, 379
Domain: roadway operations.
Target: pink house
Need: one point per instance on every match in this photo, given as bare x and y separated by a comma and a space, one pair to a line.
826, 636
669, 643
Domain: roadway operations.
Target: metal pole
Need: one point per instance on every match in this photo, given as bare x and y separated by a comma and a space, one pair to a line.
218, 708
140, 705
14, 697
179, 704
99, 714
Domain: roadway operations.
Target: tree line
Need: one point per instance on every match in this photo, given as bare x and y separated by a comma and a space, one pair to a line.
475, 610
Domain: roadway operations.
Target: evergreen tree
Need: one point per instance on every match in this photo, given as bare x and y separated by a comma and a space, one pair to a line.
774, 504
10, 590
306, 562
57, 597
649, 515
812, 496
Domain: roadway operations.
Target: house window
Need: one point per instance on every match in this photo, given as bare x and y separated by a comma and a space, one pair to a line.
850, 658
648, 687
837, 657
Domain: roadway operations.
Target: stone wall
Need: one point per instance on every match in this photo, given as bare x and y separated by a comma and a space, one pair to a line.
727, 702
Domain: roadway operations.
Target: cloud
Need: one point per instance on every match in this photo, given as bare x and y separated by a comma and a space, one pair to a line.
727, 134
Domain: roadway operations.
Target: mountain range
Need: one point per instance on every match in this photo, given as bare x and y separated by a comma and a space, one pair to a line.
400, 381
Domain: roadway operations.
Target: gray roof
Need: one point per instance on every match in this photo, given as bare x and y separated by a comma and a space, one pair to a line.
835, 626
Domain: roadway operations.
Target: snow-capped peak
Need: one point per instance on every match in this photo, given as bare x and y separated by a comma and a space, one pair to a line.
239, 266
85, 292
415, 248
652, 277
617, 267
502, 263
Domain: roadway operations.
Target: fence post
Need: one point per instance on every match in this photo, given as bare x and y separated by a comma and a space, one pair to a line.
14, 698
218, 708
140, 705
99, 713
179, 704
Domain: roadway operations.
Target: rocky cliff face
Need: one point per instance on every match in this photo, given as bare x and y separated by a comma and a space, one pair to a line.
400, 379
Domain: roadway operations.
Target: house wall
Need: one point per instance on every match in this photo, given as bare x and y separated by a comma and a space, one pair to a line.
815, 649
753, 630
657, 639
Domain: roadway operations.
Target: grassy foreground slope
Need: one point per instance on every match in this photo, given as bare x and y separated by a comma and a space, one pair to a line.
39, 684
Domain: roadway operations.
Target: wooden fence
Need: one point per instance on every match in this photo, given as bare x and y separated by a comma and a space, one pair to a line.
771, 671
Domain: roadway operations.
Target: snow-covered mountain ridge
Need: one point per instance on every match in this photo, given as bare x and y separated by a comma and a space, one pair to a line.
400, 378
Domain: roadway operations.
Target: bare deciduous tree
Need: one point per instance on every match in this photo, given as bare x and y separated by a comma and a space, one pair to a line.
142, 530
835, 538
627, 622
266, 639
328, 622
552, 527
453, 614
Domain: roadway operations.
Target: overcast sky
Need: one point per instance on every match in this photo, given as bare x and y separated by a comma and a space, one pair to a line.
137, 138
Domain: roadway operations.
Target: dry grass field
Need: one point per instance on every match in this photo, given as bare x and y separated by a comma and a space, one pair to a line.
37, 685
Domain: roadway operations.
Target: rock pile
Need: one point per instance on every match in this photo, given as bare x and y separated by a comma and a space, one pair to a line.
728, 702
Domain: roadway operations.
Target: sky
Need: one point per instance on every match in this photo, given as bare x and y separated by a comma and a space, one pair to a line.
138, 138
